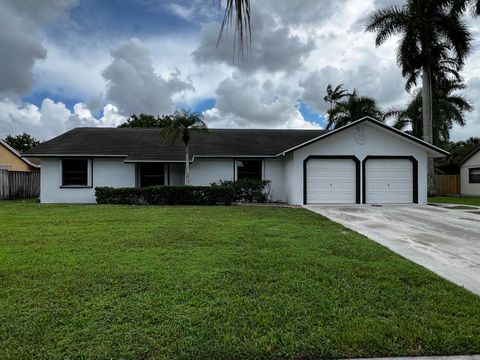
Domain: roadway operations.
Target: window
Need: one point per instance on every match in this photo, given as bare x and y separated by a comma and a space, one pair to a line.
474, 175
75, 172
249, 169
151, 174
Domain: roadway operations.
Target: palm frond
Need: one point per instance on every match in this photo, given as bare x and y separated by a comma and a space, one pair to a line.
238, 12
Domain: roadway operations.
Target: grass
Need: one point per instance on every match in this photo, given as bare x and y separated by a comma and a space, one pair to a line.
215, 282
466, 200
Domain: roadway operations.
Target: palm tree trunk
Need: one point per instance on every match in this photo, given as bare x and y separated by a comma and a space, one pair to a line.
428, 125
187, 166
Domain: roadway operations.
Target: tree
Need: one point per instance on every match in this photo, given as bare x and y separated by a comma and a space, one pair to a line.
458, 151
448, 108
465, 5
143, 120
334, 95
239, 13
182, 123
431, 30
22, 142
352, 108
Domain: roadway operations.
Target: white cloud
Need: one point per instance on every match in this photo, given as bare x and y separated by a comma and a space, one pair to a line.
52, 118
21, 23
244, 102
134, 86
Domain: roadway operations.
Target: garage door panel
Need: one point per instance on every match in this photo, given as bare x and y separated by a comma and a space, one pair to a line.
331, 181
389, 181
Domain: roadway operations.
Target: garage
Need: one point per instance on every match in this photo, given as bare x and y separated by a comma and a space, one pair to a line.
390, 180
331, 180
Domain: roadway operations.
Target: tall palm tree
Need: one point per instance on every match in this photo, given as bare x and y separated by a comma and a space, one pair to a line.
182, 123
334, 95
352, 108
431, 30
449, 108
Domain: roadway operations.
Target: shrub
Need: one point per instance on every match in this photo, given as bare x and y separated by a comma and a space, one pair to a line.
166, 195
249, 190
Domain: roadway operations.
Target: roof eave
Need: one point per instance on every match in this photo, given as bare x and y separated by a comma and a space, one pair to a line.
431, 149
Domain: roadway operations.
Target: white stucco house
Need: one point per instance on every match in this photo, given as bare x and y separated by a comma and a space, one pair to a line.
470, 174
363, 162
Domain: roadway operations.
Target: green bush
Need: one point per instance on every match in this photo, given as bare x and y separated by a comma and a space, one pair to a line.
249, 190
166, 195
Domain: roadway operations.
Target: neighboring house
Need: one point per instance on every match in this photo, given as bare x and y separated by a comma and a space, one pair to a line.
470, 173
10, 159
363, 162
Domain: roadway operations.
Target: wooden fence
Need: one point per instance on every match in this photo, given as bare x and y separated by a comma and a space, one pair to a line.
448, 185
19, 185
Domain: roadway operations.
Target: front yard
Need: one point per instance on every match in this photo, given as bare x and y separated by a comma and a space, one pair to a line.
215, 282
464, 200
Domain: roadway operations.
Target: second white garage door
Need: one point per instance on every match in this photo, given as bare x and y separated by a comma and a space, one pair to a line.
331, 181
389, 181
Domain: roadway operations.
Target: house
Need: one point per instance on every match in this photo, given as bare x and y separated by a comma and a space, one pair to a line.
10, 159
470, 173
365, 161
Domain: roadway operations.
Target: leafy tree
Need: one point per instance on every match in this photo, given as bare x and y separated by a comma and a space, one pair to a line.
334, 95
352, 108
143, 120
458, 150
449, 108
182, 123
21, 142
431, 30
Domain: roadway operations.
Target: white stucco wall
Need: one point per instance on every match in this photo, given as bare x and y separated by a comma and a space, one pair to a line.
466, 187
106, 172
203, 171
379, 142
273, 170
177, 174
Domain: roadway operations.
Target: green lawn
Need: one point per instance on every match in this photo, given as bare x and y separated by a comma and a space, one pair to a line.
467, 200
214, 282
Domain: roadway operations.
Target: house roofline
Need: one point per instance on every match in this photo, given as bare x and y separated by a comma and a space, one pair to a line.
17, 154
470, 155
374, 121
71, 155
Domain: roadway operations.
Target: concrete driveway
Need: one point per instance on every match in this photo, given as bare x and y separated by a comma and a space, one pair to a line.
443, 240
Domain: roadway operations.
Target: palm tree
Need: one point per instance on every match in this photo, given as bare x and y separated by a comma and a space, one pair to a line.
334, 95
449, 108
352, 108
239, 13
465, 5
182, 123
431, 30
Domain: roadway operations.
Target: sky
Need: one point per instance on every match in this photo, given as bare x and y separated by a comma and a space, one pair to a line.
71, 63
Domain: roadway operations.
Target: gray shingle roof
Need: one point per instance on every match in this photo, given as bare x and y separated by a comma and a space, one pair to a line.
145, 144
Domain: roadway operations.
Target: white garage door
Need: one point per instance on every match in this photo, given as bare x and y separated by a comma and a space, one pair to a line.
331, 181
389, 181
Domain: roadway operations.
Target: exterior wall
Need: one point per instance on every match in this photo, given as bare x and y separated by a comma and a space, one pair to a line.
206, 171
12, 162
203, 172
177, 174
361, 141
105, 172
273, 171
466, 187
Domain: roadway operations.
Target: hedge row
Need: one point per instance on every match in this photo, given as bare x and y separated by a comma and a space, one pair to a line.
249, 190
167, 195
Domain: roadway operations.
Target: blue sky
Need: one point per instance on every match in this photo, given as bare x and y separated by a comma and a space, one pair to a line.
93, 63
